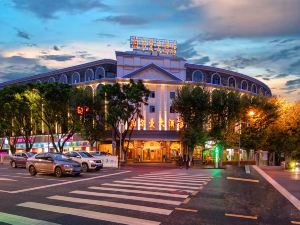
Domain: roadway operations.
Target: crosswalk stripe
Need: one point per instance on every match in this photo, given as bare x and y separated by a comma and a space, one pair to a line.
113, 204
173, 178
30, 177
88, 214
154, 184
180, 176
163, 181
145, 187
139, 192
137, 198
6, 179
21, 220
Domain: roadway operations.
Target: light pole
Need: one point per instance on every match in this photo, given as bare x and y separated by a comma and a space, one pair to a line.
121, 128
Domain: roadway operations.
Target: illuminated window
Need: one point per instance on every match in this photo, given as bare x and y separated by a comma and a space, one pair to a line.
152, 94
151, 124
152, 109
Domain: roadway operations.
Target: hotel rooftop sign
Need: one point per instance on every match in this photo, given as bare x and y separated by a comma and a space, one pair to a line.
163, 46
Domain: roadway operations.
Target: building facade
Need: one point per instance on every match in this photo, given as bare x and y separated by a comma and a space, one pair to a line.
156, 137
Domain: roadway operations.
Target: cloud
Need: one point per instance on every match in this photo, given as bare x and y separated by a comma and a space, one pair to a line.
240, 62
292, 84
202, 60
48, 9
281, 75
23, 34
56, 48
60, 58
106, 35
285, 53
125, 20
244, 18
186, 49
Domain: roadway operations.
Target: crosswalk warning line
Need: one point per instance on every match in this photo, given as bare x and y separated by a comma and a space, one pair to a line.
180, 176
242, 179
146, 187
88, 214
187, 210
113, 204
139, 192
295, 222
173, 179
162, 180
137, 198
241, 216
154, 184
21, 220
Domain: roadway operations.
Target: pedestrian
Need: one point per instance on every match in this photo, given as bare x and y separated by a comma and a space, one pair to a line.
187, 161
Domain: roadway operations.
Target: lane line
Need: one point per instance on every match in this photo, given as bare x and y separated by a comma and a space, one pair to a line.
67, 182
146, 187
241, 216
113, 204
137, 198
279, 188
139, 192
88, 214
242, 179
168, 182
6, 179
154, 184
174, 179
4, 191
31, 177
295, 222
187, 210
21, 220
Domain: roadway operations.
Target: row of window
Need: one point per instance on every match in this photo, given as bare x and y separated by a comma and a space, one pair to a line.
152, 94
198, 76
75, 78
152, 109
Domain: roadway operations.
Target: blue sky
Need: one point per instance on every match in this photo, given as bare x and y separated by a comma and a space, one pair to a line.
259, 38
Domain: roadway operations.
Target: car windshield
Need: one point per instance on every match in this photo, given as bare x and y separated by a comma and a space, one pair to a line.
85, 154
30, 154
95, 153
61, 157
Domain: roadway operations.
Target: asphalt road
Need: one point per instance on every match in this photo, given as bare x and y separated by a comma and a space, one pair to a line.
143, 195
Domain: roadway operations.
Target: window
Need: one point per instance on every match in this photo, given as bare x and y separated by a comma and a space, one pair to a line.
244, 85
152, 94
172, 94
89, 75
63, 79
75, 78
197, 76
172, 110
254, 88
152, 109
40, 156
100, 73
216, 79
231, 82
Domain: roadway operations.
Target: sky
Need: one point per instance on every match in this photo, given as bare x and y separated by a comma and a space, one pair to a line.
260, 38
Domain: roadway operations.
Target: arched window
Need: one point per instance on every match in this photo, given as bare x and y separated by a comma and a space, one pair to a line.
75, 78
63, 79
99, 88
244, 85
231, 82
38, 82
261, 91
100, 73
197, 76
51, 80
254, 88
89, 75
216, 79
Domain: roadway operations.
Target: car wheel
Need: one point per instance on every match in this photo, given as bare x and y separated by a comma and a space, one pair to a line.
58, 172
13, 164
85, 167
98, 168
32, 171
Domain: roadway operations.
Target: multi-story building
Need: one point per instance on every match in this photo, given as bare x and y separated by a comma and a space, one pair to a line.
156, 137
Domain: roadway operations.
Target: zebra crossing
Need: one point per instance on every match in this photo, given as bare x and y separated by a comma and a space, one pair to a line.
137, 199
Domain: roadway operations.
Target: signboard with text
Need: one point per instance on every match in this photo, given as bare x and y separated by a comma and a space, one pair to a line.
168, 47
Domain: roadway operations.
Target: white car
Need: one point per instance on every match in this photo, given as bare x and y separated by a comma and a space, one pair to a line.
87, 161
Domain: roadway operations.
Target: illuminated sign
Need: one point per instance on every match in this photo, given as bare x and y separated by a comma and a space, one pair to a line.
168, 47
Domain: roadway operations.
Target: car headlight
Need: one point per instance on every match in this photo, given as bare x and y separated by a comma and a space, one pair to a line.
68, 166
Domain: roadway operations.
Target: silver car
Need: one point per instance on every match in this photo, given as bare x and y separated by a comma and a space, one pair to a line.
52, 163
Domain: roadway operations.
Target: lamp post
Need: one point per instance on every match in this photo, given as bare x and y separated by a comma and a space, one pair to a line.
121, 129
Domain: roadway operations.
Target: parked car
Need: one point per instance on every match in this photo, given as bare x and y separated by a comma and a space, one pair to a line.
52, 163
87, 161
19, 159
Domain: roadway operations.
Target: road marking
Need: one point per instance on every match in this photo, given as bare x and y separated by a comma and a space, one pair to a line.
88, 214
295, 222
6, 179
247, 169
145, 187
186, 201
195, 193
178, 176
67, 182
167, 182
139, 192
153, 184
113, 204
279, 188
242, 179
241, 216
187, 210
173, 179
4, 191
31, 177
21, 220
137, 198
